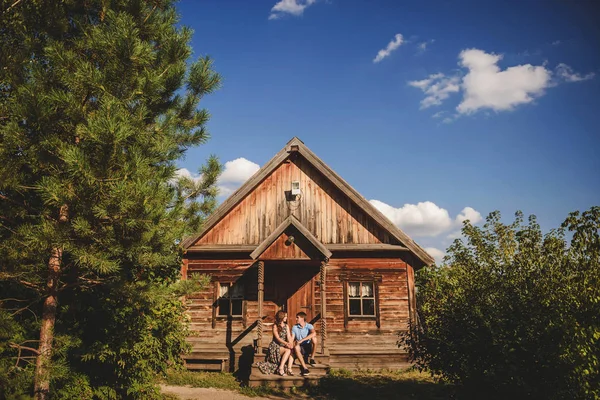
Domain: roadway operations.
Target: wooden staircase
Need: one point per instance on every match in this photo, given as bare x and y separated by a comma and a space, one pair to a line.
317, 371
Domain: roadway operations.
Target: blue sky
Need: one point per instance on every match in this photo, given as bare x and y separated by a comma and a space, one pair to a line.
470, 107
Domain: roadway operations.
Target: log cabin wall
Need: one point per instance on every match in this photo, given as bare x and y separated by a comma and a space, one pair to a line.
353, 342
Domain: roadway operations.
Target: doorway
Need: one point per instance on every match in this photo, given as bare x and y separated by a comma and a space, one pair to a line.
291, 285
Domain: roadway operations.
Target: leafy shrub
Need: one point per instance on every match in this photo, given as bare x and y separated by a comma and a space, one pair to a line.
515, 312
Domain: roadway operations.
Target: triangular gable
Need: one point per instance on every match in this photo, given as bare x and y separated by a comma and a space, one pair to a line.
291, 222
296, 145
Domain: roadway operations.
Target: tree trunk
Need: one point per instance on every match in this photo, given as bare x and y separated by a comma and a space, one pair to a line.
42, 376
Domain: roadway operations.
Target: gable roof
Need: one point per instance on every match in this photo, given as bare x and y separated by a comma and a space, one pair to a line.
290, 221
296, 145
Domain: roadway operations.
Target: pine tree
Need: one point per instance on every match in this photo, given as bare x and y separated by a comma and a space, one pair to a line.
97, 103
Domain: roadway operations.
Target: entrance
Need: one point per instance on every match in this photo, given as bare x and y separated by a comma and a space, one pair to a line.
301, 300
292, 286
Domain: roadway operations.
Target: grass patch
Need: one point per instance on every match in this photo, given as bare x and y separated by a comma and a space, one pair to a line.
339, 384
399, 385
217, 380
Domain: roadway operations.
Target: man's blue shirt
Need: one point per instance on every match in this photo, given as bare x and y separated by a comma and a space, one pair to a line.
300, 332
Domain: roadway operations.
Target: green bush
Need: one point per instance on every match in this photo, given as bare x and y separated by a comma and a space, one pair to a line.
514, 312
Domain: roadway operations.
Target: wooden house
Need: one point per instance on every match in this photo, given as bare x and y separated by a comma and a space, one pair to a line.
297, 237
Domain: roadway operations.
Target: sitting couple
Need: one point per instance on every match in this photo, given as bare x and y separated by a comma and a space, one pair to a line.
300, 343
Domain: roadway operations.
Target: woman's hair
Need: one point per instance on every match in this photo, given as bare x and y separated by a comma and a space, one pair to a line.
279, 317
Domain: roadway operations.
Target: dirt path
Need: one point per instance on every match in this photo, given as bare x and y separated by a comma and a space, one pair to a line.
191, 393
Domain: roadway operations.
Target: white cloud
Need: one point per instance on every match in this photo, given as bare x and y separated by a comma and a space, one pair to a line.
487, 86
438, 114
556, 43
293, 7
468, 213
437, 88
392, 45
422, 47
238, 170
436, 253
565, 72
235, 173
425, 218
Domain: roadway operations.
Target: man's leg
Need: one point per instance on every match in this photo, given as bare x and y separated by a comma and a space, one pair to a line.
314, 342
300, 357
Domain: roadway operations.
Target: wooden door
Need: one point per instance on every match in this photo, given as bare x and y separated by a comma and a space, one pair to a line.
301, 300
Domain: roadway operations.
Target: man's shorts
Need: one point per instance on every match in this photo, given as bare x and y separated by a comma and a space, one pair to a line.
306, 348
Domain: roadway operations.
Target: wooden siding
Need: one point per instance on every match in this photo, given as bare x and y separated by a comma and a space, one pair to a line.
346, 335
322, 208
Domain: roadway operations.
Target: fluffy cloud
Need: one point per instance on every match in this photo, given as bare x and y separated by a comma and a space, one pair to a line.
565, 72
487, 86
484, 85
235, 173
425, 218
238, 171
435, 253
392, 45
468, 213
437, 88
293, 7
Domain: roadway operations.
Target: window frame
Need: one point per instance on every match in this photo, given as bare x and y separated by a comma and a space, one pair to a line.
229, 299
346, 280
361, 298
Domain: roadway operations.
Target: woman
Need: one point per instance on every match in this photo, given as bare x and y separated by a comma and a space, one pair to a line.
280, 348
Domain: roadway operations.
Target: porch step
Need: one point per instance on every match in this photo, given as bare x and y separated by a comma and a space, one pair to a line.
317, 371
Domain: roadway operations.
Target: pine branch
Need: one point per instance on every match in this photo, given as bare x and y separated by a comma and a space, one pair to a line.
13, 5
150, 13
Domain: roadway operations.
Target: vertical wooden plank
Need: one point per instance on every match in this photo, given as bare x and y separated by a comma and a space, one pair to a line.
377, 304
215, 304
184, 268
345, 301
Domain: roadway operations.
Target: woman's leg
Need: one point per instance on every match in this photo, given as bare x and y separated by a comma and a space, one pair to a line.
285, 354
290, 361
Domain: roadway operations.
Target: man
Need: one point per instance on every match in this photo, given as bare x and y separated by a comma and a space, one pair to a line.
305, 341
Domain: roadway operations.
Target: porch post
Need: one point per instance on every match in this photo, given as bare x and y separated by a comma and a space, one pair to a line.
323, 305
261, 290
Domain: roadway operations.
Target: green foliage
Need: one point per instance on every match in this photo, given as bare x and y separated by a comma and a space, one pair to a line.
397, 385
515, 312
98, 102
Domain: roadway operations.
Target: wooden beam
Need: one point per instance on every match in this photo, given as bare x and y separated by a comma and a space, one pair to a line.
323, 307
270, 239
310, 237
221, 248
261, 291
366, 247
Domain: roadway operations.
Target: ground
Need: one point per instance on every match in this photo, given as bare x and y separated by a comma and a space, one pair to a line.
338, 385
192, 393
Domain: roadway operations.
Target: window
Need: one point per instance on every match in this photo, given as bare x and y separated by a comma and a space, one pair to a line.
230, 299
361, 299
